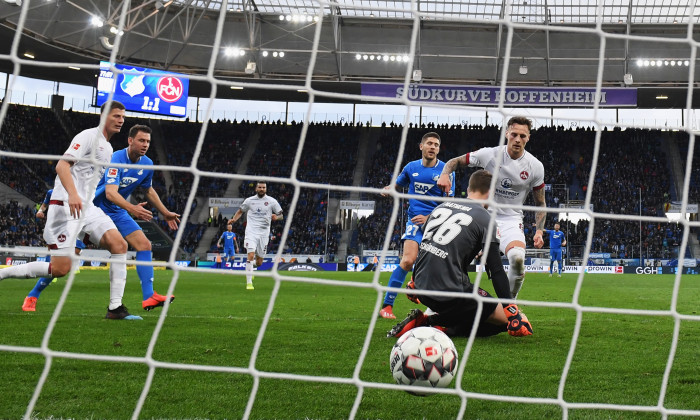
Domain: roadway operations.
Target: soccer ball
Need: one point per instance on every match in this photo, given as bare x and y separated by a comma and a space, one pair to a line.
423, 357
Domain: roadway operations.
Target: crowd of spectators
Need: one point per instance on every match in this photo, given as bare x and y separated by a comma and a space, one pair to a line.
191, 236
222, 149
622, 238
36, 131
632, 165
19, 226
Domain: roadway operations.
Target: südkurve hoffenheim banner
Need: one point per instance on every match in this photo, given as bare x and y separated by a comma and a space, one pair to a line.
514, 96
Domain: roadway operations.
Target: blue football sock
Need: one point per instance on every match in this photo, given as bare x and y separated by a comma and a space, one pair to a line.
396, 280
145, 273
40, 285
551, 266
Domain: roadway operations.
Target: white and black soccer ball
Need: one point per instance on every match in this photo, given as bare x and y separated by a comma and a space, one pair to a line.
423, 357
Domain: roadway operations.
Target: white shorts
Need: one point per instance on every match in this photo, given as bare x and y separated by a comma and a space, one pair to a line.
61, 226
256, 244
509, 230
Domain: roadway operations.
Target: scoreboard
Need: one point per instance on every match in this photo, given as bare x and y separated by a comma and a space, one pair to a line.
143, 90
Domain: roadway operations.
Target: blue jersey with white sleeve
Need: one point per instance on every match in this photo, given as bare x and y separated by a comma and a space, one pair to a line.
48, 197
556, 237
422, 180
128, 179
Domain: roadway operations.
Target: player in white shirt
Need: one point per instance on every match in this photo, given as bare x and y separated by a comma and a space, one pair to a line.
261, 210
519, 172
73, 214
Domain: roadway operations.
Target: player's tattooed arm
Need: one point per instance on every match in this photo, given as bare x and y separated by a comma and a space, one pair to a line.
444, 182
540, 216
277, 216
454, 164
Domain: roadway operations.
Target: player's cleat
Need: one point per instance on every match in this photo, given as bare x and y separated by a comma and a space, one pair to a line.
415, 318
550, 274
387, 312
121, 313
249, 286
29, 304
155, 301
558, 275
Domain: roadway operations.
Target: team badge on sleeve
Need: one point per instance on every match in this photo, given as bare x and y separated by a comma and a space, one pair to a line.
76, 146
112, 172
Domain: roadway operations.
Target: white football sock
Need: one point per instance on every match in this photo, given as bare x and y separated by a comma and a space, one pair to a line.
30, 270
516, 269
249, 272
117, 280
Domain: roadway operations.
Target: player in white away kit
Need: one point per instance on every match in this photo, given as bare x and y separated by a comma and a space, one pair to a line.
261, 210
73, 212
519, 172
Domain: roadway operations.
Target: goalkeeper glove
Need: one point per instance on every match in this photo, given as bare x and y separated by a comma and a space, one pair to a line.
412, 296
518, 324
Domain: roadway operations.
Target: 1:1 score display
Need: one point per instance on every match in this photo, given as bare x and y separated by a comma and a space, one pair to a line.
150, 106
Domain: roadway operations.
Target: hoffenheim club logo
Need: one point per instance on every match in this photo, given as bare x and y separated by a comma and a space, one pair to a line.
132, 84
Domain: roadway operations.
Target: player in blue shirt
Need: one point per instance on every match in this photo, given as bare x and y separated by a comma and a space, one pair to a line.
420, 176
119, 183
556, 241
229, 238
29, 304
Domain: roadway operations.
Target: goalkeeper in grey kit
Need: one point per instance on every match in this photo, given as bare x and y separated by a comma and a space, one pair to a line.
453, 236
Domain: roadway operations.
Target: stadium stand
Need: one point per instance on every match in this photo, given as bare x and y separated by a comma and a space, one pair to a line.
630, 162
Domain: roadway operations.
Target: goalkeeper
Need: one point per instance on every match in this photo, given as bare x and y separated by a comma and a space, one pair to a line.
453, 236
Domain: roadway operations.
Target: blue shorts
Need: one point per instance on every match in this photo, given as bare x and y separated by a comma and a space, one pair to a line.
228, 253
555, 254
413, 232
126, 224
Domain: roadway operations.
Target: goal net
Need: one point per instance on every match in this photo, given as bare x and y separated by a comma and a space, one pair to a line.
616, 336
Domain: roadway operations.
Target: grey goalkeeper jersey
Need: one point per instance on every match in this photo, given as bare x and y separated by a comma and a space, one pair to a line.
453, 235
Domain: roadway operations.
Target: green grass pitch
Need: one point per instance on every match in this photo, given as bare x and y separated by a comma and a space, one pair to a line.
319, 330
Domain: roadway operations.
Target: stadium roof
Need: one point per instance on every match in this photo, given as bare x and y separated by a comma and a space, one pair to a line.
532, 11
483, 42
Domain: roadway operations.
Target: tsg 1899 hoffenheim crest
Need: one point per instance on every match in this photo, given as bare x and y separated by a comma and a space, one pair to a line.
132, 84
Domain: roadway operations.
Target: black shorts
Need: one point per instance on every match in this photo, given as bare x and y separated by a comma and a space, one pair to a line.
458, 314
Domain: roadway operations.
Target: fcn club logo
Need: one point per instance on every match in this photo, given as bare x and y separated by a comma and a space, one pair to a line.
169, 88
524, 175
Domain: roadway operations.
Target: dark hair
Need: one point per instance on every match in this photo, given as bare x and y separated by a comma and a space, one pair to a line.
480, 181
139, 127
114, 105
261, 182
433, 134
521, 121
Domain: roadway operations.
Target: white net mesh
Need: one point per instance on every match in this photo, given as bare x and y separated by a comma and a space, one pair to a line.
599, 336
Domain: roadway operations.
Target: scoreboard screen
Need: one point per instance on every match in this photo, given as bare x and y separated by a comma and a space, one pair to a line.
144, 90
